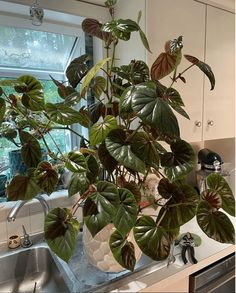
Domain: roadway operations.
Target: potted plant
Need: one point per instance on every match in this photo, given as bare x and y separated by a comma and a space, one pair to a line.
133, 113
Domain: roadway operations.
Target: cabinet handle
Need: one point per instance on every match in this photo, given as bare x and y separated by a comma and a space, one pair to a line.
198, 123
210, 122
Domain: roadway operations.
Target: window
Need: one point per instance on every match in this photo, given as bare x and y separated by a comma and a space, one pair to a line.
40, 53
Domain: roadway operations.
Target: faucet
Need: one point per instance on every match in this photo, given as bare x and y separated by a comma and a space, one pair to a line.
19, 204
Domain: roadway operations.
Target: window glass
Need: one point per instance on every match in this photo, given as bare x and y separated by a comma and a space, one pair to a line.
38, 50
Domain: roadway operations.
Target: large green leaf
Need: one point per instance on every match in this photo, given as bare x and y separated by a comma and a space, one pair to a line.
215, 224
76, 162
78, 183
31, 150
154, 110
180, 161
2, 109
63, 114
46, 177
61, 231
77, 69
106, 159
90, 75
101, 206
100, 130
218, 184
180, 208
153, 241
22, 188
126, 101
126, 213
121, 151
33, 97
144, 148
122, 250
92, 168
94, 28
204, 68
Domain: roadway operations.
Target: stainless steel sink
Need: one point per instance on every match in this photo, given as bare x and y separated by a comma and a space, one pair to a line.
32, 270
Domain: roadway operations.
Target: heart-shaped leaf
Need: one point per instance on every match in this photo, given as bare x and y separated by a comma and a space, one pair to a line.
153, 241
204, 68
46, 177
218, 184
154, 110
98, 86
106, 159
122, 250
78, 183
31, 150
77, 69
126, 213
180, 161
90, 75
76, 162
215, 224
94, 28
121, 151
33, 97
180, 208
63, 114
22, 188
144, 148
212, 197
95, 111
2, 109
166, 189
100, 130
101, 207
163, 65
61, 231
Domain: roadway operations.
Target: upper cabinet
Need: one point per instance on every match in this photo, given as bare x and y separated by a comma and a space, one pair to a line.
219, 104
208, 34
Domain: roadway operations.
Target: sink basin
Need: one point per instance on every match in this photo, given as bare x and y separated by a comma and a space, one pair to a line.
31, 270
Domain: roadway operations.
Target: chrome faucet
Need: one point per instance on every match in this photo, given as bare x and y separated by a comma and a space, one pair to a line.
19, 204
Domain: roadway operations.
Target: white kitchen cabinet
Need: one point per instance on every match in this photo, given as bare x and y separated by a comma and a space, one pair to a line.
219, 104
208, 34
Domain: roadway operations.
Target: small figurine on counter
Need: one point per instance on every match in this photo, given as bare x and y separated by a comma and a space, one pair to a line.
187, 243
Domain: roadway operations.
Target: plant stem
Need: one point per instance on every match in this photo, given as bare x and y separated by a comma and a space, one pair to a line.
163, 215
70, 129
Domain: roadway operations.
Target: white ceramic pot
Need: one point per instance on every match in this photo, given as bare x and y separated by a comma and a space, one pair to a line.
98, 251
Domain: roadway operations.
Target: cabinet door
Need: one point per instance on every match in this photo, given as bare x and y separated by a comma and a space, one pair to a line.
168, 19
219, 109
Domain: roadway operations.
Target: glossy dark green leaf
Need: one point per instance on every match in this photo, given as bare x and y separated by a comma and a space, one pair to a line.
106, 159
85, 121
121, 151
78, 183
46, 177
153, 241
94, 28
105, 203
126, 101
134, 189
30, 150
63, 114
215, 224
204, 68
154, 110
95, 111
218, 184
181, 207
144, 148
22, 188
72, 99
33, 96
212, 197
98, 86
122, 250
76, 162
61, 232
166, 189
126, 213
92, 168
91, 74
180, 161
77, 69
100, 130
2, 109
